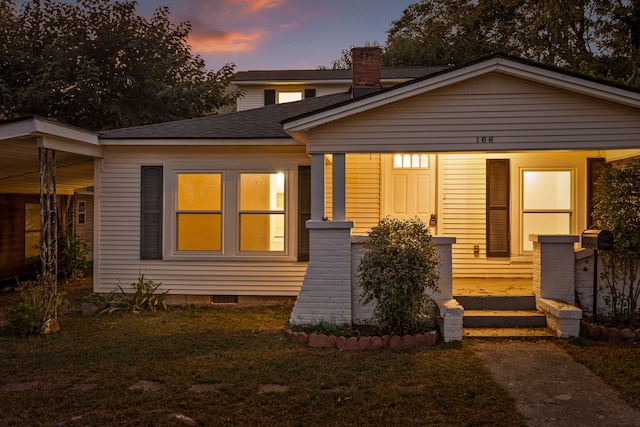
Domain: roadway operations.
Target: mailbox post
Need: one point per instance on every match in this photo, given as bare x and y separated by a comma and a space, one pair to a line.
598, 240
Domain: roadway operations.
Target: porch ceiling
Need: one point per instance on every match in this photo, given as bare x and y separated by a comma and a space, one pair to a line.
19, 164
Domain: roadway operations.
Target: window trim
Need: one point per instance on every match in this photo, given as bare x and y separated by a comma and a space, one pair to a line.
230, 208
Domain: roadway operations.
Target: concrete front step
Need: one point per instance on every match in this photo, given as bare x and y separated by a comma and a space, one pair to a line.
527, 302
503, 319
507, 333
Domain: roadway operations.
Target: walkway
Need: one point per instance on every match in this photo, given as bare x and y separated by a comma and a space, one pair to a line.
550, 389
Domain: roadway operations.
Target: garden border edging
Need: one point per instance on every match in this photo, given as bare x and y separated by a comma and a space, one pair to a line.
393, 342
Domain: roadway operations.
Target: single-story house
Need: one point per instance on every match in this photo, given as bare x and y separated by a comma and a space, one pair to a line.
499, 156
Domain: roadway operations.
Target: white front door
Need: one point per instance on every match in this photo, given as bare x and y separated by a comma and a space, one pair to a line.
408, 186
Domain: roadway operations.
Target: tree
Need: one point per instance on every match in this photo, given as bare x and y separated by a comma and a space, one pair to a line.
598, 37
98, 65
617, 209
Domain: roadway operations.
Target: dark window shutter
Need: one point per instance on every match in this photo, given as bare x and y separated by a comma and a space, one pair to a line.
151, 212
304, 211
594, 168
498, 207
269, 96
309, 93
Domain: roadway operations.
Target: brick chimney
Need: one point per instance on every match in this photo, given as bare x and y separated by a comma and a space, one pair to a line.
365, 64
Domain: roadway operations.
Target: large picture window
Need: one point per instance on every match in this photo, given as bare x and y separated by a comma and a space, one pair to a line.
32, 232
199, 212
547, 204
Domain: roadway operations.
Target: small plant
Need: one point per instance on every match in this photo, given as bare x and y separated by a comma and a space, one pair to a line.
25, 319
39, 303
399, 265
144, 298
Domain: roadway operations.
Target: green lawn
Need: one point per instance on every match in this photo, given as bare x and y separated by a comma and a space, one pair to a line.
239, 351
83, 374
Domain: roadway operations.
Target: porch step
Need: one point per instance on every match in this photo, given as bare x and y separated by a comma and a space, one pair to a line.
503, 319
524, 302
507, 333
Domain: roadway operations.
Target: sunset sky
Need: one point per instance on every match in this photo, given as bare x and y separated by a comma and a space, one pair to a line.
279, 34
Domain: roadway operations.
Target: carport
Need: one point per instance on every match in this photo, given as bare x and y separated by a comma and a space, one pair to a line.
40, 160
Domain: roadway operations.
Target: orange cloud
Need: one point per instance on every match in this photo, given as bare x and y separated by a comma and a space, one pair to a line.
254, 6
225, 41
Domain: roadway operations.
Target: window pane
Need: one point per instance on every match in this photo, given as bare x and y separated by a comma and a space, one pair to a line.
262, 191
397, 161
199, 191
262, 232
199, 232
544, 223
284, 97
547, 190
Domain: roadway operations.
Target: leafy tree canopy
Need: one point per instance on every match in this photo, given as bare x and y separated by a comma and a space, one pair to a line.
597, 37
98, 65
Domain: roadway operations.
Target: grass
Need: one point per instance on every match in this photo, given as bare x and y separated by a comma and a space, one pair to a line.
239, 349
617, 364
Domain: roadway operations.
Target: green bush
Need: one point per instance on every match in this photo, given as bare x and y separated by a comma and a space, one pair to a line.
617, 209
72, 256
399, 265
25, 319
39, 303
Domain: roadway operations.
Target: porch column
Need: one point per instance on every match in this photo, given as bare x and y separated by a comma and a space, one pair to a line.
451, 312
317, 187
326, 290
554, 282
339, 183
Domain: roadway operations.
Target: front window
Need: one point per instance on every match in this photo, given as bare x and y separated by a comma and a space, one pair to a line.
547, 204
261, 212
289, 96
199, 212
229, 212
82, 212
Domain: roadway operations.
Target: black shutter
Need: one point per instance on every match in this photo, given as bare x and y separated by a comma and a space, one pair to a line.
309, 93
498, 207
151, 212
594, 169
304, 211
269, 96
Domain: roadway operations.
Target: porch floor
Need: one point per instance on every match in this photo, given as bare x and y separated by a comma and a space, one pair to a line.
492, 287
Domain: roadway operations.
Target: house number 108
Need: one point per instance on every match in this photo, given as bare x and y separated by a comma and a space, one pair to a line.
484, 139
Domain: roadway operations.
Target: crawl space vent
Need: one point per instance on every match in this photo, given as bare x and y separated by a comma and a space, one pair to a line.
224, 299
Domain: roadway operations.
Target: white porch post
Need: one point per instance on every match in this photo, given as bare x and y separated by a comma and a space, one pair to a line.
326, 289
339, 181
317, 187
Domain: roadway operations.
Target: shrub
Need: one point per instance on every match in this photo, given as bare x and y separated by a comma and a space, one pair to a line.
72, 256
39, 303
617, 209
144, 298
399, 265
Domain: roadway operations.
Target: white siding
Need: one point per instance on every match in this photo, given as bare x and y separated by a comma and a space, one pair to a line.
254, 95
363, 191
517, 114
118, 245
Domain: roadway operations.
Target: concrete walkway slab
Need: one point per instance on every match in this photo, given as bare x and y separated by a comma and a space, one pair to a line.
551, 389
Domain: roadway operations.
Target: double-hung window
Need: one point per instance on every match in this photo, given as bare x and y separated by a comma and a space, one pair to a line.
261, 212
547, 203
199, 212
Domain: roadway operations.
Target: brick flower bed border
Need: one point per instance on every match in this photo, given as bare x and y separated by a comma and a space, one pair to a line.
394, 342
608, 333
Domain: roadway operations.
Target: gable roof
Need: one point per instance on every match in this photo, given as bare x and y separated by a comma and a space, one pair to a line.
388, 74
501, 63
259, 123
